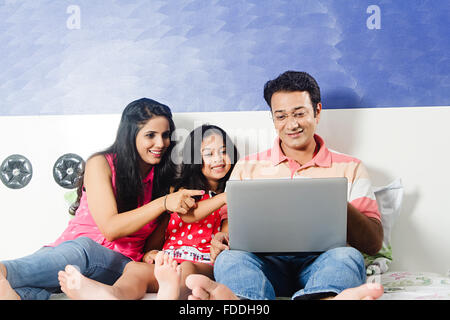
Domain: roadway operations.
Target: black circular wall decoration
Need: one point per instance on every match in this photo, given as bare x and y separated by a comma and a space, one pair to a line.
68, 169
16, 171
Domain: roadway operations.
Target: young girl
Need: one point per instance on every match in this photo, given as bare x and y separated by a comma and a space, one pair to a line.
208, 159
122, 195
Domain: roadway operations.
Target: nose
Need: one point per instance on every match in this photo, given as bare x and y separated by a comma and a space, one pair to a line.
217, 158
292, 123
159, 142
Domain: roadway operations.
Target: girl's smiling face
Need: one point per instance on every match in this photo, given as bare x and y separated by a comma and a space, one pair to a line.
216, 162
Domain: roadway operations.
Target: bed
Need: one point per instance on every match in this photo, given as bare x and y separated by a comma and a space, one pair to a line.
414, 286
398, 285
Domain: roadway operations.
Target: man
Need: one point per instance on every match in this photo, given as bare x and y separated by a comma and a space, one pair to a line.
294, 99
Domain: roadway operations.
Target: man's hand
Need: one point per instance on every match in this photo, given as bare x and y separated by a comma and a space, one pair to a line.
218, 244
149, 257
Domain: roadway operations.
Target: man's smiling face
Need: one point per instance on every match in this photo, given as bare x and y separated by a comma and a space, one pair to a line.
294, 119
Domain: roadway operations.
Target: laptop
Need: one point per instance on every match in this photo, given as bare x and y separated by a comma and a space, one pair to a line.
287, 216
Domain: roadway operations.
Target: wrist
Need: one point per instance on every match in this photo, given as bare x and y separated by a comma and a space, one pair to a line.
223, 198
164, 203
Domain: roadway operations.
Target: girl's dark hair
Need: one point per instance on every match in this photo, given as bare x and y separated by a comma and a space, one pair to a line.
191, 176
129, 186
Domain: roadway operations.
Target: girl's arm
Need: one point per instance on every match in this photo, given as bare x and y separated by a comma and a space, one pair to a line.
103, 207
204, 208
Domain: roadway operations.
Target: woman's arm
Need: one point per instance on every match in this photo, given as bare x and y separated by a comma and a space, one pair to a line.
156, 239
204, 208
103, 206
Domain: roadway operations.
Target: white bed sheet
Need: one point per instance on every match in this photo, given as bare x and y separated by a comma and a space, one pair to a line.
400, 285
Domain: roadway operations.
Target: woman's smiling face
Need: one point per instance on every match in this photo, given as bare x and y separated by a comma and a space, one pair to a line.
152, 140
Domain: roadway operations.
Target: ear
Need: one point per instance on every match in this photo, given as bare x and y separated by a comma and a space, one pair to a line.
318, 111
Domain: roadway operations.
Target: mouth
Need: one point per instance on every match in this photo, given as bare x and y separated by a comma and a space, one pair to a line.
218, 167
295, 134
156, 153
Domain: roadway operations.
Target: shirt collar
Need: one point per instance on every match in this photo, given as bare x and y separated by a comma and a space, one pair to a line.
321, 159
150, 175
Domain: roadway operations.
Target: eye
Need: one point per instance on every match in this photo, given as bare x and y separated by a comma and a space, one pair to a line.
150, 135
280, 117
299, 114
166, 135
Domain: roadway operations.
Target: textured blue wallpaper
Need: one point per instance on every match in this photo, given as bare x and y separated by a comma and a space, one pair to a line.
86, 56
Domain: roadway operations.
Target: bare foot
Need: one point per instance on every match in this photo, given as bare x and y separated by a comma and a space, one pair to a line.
168, 274
203, 288
367, 291
6, 292
78, 287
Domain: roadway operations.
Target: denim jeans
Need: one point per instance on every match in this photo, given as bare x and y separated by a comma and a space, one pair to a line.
258, 277
35, 277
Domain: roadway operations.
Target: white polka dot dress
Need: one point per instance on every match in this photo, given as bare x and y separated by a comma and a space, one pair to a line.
191, 241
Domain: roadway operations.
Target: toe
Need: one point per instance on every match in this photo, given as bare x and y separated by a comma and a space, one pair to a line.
197, 280
200, 293
70, 269
159, 259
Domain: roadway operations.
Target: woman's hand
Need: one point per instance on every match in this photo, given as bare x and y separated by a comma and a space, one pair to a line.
182, 201
149, 257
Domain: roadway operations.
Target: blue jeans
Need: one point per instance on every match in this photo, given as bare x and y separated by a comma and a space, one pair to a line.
258, 277
35, 277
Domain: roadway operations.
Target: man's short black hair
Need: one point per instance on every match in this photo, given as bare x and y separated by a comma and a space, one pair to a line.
290, 81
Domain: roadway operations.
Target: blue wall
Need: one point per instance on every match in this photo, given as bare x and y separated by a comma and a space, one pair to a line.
84, 56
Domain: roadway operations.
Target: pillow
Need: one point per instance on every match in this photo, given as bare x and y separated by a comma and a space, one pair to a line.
389, 199
71, 198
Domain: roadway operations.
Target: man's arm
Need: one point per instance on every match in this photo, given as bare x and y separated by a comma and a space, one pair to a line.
364, 228
363, 233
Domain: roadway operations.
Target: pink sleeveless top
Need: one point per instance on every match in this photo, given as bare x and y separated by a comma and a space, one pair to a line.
83, 225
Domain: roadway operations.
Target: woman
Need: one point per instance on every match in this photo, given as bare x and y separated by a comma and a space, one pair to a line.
188, 236
123, 193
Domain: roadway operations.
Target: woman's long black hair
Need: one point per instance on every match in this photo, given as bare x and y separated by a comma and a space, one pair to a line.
191, 176
129, 186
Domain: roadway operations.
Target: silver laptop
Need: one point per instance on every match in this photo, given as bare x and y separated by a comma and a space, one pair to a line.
287, 216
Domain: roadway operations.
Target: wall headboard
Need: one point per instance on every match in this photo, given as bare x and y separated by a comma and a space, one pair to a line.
88, 57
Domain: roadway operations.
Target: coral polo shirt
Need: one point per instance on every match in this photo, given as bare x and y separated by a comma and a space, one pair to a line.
274, 164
